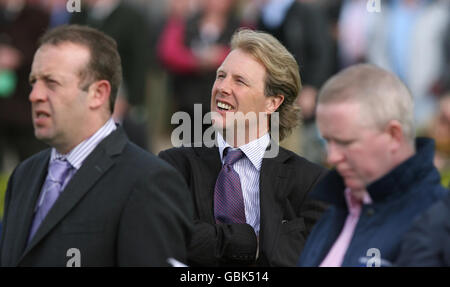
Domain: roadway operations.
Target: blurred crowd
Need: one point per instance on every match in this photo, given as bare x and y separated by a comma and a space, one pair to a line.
171, 49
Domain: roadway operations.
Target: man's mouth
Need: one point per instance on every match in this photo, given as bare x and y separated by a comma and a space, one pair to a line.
224, 106
41, 115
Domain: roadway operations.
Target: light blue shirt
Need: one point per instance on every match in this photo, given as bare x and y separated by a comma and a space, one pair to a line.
249, 168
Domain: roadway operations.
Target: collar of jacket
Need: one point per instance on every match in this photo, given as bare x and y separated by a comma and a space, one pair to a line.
331, 187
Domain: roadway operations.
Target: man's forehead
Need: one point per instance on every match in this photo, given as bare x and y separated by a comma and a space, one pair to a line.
340, 114
64, 50
66, 56
241, 63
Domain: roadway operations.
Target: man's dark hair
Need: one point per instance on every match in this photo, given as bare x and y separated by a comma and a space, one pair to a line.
104, 62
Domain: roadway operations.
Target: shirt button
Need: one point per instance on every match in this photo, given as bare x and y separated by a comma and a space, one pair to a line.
370, 212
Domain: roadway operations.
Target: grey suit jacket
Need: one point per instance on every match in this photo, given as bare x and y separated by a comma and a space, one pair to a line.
123, 207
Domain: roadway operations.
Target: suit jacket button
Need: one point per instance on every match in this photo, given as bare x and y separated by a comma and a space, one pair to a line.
284, 221
370, 212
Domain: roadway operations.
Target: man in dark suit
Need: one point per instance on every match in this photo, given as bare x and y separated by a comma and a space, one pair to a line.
251, 203
94, 198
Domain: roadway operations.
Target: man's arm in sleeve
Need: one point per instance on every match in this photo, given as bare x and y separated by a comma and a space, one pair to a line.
156, 223
215, 244
424, 244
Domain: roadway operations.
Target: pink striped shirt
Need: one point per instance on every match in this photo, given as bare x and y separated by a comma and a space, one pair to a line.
336, 254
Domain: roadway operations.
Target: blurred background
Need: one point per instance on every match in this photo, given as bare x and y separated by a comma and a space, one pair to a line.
171, 49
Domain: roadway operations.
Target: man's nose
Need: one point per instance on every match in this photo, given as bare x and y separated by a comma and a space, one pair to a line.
334, 154
224, 86
38, 93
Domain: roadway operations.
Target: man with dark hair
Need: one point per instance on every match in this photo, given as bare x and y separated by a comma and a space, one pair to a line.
251, 208
94, 198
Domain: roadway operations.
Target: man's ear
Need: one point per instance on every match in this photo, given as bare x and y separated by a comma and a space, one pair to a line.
395, 130
273, 103
99, 93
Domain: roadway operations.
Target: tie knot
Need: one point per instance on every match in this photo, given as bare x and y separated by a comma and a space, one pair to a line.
58, 169
232, 156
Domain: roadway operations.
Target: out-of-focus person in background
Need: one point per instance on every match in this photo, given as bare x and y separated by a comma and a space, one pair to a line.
354, 26
21, 24
439, 129
407, 39
192, 47
57, 9
332, 11
303, 29
384, 176
442, 85
128, 26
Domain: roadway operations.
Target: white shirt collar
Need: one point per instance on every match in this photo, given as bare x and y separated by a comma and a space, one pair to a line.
253, 150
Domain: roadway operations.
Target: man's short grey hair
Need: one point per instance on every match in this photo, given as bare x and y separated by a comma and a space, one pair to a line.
382, 95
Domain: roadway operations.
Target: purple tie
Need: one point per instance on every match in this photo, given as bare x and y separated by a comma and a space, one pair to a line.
228, 199
57, 178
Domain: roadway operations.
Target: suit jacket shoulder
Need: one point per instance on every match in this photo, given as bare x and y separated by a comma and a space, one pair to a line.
109, 211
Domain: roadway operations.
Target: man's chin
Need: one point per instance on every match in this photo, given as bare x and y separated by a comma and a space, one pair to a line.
43, 137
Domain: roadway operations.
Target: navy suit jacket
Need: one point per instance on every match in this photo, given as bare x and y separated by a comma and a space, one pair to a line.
123, 207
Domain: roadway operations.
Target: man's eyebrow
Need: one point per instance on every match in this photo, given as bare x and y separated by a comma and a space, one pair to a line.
45, 77
240, 76
336, 139
220, 69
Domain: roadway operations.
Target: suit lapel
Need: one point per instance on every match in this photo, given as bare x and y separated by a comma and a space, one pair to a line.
94, 167
208, 170
273, 176
23, 221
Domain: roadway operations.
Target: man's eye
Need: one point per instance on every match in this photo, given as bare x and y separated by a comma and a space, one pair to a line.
51, 82
344, 143
240, 81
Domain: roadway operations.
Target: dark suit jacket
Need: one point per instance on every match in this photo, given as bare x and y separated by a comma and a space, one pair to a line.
123, 207
287, 215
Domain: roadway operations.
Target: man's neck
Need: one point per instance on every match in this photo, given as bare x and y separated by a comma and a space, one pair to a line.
359, 194
237, 137
240, 140
65, 148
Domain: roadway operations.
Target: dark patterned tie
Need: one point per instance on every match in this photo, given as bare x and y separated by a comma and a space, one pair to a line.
228, 199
